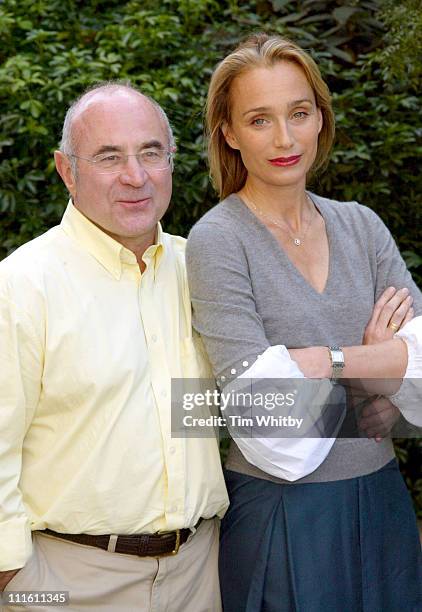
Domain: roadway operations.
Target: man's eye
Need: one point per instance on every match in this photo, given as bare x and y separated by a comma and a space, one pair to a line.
259, 121
109, 159
151, 154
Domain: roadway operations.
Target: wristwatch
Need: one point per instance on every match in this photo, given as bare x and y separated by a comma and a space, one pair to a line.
337, 362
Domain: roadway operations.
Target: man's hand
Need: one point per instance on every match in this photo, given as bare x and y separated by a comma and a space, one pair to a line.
6, 577
391, 312
378, 418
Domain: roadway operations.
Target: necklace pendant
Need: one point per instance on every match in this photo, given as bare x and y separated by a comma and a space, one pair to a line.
297, 241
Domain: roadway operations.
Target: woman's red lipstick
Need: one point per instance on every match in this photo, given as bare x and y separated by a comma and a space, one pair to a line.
285, 161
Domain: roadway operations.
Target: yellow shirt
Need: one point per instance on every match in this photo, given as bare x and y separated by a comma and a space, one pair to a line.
88, 347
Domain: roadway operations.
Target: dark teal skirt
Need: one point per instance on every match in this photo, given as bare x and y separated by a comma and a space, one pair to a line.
344, 546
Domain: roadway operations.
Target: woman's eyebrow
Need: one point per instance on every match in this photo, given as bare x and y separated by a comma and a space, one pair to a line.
299, 102
258, 109
264, 109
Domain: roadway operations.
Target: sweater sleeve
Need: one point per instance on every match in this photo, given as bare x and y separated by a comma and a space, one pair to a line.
391, 268
224, 313
223, 304
392, 271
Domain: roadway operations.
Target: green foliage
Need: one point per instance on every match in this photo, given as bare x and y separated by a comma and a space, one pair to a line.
376, 153
401, 54
369, 52
51, 50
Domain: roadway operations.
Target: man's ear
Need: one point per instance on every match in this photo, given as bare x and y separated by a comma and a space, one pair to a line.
229, 136
64, 168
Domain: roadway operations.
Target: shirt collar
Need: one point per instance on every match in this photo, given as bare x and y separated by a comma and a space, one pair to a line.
154, 253
107, 251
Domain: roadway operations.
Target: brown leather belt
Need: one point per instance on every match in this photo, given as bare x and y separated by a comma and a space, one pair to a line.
143, 545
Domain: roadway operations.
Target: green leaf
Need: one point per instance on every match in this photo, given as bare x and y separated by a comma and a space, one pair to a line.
342, 14
412, 259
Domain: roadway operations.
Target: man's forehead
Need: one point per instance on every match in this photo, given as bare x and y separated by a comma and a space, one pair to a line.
103, 113
105, 102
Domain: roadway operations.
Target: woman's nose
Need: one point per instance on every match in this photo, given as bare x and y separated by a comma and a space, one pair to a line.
282, 135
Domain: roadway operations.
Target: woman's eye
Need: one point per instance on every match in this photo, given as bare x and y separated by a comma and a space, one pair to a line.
259, 121
300, 115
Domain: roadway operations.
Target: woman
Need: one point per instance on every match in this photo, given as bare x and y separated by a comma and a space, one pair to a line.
277, 275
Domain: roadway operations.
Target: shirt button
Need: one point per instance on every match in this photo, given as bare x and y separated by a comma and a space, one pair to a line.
172, 450
163, 393
173, 509
154, 338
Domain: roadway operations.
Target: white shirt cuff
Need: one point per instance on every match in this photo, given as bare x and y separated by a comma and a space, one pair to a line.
291, 458
408, 398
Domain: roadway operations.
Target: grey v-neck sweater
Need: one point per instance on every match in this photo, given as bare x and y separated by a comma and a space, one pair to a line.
247, 295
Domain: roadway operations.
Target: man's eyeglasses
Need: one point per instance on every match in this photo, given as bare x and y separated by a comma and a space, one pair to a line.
113, 163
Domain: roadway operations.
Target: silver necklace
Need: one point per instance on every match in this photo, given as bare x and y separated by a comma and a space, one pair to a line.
297, 240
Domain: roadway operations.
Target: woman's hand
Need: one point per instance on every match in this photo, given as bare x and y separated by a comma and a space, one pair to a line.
391, 312
378, 418
314, 361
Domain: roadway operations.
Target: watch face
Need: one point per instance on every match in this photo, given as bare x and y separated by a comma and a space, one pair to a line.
337, 358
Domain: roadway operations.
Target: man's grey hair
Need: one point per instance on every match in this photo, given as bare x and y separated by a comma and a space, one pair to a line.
67, 143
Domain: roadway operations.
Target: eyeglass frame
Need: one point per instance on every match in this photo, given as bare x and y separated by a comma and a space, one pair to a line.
126, 157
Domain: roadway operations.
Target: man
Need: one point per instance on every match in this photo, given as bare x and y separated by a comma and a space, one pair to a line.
94, 323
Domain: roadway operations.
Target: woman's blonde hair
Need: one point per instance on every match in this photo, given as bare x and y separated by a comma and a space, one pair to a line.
226, 166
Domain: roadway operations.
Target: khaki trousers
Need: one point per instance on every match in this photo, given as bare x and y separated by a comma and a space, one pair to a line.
100, 580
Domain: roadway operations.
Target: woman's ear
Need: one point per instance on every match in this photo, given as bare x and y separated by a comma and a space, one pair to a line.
229, 136
320, 120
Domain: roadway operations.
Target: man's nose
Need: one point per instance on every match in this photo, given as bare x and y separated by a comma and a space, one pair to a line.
133, 172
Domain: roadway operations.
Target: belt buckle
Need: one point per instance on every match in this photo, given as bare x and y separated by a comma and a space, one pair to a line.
177, 545
175, 549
